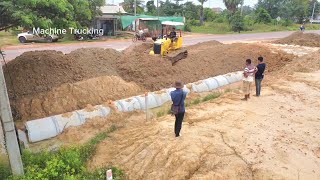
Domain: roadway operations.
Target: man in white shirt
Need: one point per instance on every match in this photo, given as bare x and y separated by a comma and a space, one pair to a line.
248, 74
140, 33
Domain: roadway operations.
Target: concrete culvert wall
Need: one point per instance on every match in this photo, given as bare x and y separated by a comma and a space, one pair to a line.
212, 83
49, 127
222, 81
126, 105
200, 86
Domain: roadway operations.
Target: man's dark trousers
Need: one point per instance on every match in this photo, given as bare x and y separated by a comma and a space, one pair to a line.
178, 123
258, 86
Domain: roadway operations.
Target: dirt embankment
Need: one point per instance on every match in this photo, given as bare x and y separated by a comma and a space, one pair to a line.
204, 60
49, 82
72, 96
302, 39
40, 71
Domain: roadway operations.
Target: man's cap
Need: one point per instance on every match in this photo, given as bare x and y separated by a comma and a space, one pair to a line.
178, 84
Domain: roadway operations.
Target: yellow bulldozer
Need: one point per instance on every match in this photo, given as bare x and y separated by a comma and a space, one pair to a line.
169, 45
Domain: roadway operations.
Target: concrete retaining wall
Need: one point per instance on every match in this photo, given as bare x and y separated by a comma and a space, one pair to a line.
49, 127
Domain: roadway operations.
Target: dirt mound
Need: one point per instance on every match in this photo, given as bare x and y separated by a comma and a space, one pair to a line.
138, 48
302, 39
69, 97
308, 63
40, 71
96, 61
204, 60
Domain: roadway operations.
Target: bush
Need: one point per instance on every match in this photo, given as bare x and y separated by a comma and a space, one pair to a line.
5, 170
286, 22
236, 22
194, 22
187, 28
249, 20
262, 16
66, 163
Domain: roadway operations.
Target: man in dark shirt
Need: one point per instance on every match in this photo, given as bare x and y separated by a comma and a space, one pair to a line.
259, 75
178, 96
173, 33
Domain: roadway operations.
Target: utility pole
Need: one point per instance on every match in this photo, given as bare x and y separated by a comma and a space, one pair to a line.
241, 7
12, 145
158, 8
314, 6
135, 7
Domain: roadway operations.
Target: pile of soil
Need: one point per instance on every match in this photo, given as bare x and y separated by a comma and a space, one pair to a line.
50, 82
73, 96
302, 39
204, 60
308, 63
40, 71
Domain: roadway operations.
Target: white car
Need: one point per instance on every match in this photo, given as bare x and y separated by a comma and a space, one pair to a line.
31, 37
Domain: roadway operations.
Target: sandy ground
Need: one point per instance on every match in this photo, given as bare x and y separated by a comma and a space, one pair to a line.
275, 136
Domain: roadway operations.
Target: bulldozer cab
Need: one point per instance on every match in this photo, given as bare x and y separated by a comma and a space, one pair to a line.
170, 42
170, 30
171, 39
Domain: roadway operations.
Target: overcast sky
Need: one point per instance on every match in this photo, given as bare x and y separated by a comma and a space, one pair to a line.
219, 3
209, 3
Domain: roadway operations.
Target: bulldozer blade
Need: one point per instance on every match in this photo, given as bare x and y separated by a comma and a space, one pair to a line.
177, 55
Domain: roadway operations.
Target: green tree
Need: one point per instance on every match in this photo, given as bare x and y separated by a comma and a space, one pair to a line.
7, 19
294, 10
128, 6
272, 6
170, 9
310, 8
232, 5
190, 10
246, 10
262, 16
201, 11
151, 8
48, 13
236, 21
209, 15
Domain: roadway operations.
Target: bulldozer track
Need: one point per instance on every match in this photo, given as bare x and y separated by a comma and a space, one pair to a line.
177, 55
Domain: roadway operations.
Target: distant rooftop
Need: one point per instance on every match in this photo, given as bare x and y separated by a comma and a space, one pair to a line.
217, 9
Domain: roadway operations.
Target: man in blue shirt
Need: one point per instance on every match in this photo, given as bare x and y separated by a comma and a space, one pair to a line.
259, 75
178, 97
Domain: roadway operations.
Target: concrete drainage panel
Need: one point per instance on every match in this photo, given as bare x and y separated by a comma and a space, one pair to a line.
45, 128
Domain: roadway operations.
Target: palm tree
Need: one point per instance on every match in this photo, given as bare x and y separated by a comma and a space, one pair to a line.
232, 5
201, 11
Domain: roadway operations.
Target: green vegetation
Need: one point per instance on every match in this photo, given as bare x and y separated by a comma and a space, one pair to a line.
5, 170
212, 96
66, 163
48, 13
206, 98
225, 28
7, 38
